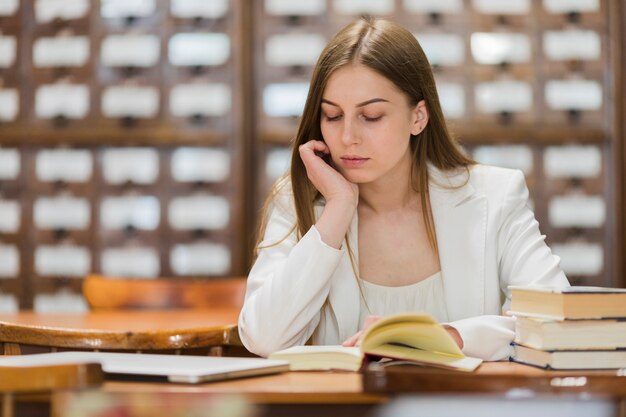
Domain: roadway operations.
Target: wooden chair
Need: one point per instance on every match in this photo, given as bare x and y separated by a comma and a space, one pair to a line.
111, 293
131, 293
16, 382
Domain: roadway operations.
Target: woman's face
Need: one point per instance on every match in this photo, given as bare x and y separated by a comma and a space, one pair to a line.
367, 122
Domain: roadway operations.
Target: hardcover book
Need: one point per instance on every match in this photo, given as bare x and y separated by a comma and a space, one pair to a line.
548, 334
568, 302
569, 359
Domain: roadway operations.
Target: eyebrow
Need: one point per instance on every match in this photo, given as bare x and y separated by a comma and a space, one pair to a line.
365, 103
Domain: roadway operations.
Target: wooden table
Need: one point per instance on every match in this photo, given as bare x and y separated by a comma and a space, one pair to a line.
493, 378
351, 394
119, 330
299, 394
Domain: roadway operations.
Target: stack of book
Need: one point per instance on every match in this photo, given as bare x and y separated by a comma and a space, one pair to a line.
570, 328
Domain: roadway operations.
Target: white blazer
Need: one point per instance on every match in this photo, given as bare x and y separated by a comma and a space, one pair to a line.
487, 238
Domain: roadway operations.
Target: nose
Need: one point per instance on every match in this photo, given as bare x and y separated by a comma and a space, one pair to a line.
350, 134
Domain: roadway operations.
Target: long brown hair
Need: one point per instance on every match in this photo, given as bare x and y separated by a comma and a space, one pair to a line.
393, 52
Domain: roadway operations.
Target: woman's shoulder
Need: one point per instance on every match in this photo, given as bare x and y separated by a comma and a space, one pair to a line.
490, 173
281, 195
477, 175
488, 179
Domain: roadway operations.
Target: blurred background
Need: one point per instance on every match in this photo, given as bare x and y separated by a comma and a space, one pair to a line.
140, 137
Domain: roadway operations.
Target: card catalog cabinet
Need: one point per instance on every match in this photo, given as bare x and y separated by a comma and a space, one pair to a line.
527, 84
140, 138
122, 144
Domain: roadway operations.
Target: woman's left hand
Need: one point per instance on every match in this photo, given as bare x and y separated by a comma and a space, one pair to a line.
455, 335
355, 339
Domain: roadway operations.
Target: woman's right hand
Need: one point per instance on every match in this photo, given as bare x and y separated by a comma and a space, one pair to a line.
341, 195
325, 178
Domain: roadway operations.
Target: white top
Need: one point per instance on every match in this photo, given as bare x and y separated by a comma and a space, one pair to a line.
487, 238
425, 296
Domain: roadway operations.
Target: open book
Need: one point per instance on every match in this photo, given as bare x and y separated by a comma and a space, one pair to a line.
409, 337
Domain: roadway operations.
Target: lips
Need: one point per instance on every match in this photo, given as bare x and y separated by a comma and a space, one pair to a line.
353, 161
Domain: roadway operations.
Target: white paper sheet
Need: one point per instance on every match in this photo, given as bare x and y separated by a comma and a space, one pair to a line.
198, 212
48, 10
200, 259
433, 6
9, 7
495, 48
294, 49
9, 261
8, 51
200, 164
71, 213
357, 7
61, 51
573, 94
285, 100
204, 99
442, 48
204, 49
572, 44
577, 211
277, 162
9, 304
9, 105
137, 165
566, 6
188, 9
131, 262
63, 260
141, 212
68, 100
132, 50
124, 101
499, 96
575, 161
502, 7
580, 258
295, 8
60, 302
69, 165
508, 156
120, 9
452, 98
10, 163
10, 216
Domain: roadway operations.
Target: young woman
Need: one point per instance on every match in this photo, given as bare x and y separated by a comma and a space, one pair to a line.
382, 213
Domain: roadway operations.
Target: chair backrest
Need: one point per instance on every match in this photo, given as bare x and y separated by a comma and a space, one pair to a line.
132, 293
41, 379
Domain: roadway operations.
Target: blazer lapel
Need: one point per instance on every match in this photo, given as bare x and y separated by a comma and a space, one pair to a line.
460, 217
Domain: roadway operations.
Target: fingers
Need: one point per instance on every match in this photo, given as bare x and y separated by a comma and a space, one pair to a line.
369, 320
315, 145
355, 340
352, 340
311, 148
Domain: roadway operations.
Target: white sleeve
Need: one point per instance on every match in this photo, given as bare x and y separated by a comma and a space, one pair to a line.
287, 286
523, 259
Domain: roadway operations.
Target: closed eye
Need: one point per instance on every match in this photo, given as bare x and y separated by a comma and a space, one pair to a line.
333, 118
372, 119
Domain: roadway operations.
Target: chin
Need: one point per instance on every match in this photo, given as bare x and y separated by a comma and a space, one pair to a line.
358, 177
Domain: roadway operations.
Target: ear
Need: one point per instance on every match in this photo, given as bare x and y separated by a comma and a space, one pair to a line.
419, 118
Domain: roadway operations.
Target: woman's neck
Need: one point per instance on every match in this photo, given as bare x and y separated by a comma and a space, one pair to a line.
389, 193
